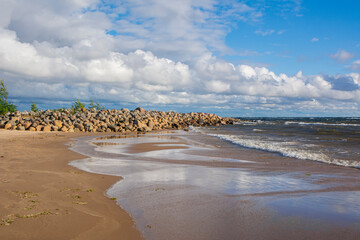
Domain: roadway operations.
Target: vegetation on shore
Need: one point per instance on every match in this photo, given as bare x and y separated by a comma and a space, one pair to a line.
34, 108
5, 106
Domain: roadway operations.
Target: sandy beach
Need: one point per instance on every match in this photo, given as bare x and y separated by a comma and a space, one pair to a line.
42, 197
177, 185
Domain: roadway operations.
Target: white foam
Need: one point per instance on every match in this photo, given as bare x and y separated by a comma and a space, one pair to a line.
324, 124
258, 130
288, 149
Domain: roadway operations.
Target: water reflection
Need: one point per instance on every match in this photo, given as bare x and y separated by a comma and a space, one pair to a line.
157, 193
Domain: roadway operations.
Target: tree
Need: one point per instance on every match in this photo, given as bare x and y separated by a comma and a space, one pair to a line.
34, 108
5, 106
78, 106
96, 105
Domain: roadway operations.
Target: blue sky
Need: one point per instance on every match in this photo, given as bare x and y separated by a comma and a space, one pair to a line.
233, 58
300, 40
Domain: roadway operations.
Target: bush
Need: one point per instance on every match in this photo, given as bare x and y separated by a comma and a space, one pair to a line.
4, 105
34, 108
77, 107
96, 105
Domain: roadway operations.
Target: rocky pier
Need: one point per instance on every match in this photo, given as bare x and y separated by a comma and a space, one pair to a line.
92, 120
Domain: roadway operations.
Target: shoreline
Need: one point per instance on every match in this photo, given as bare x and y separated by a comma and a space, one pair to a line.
43, 197
160, 183
76, 204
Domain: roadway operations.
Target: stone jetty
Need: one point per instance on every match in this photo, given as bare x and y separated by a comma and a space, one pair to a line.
92, 120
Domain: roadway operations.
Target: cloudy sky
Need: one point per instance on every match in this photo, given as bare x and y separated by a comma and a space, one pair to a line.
233, 58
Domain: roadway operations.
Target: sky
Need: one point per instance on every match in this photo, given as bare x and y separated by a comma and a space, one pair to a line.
269, 58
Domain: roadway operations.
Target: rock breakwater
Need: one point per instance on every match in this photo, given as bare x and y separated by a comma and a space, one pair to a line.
92, 120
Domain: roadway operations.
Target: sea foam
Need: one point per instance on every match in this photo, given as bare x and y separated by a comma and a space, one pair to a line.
288, 149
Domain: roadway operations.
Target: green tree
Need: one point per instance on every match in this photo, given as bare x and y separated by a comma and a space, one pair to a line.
96, 105
34, 108
77, 106
5, 106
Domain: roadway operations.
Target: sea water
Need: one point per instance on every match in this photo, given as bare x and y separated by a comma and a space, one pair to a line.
177, 193
328, 140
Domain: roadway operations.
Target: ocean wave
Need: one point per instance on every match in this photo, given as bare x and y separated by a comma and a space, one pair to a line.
256, 122
258, 130
324, 124
286, 149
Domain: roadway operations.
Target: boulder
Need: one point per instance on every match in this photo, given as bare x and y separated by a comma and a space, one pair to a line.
46, 128
27, 125
8, 125
64, 129
58, 123
21, 128
140, 109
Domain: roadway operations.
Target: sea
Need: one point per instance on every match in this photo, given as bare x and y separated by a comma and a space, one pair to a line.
328, 140
221, 183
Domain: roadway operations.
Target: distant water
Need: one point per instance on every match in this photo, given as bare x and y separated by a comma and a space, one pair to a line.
329, 140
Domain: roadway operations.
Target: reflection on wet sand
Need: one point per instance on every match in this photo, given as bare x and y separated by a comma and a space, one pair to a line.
184, 186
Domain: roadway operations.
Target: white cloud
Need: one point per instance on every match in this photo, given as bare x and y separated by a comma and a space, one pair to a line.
183, 29
342, 56
314, 39
162, 56
265, 33
355, 65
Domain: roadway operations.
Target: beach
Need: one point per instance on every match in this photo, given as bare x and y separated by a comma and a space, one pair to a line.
179, 120
42, 197
177, 185
187, 185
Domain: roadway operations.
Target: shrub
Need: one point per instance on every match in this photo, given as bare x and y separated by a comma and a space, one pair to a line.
5, 106
78, 106
34, 108
96, 105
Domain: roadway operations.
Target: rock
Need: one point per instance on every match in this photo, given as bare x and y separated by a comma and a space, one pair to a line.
15, 119
27, 125
151, 124
8, 126
113, 120
58, 123
46, 128
140, 109
21, 128
79, 126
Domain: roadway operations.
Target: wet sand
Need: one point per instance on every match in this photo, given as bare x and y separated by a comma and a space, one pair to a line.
191, 186
41, 197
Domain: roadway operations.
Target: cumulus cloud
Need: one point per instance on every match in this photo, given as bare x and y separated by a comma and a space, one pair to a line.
342, 56
160, 53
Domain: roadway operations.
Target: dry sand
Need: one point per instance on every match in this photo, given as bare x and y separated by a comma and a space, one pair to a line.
41, 197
